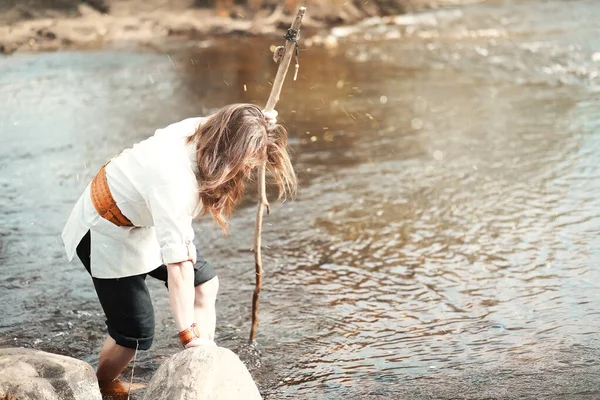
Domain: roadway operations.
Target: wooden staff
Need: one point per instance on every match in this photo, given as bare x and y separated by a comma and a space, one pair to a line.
291, 47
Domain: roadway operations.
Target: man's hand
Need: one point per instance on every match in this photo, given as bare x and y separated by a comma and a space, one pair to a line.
200, 342
271, 116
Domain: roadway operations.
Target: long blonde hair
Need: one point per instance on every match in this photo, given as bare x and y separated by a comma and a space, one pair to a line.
231, 144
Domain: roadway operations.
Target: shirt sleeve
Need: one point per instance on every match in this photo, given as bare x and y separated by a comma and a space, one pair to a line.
172, 208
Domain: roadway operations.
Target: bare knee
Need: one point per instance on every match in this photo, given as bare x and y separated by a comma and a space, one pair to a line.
206, 293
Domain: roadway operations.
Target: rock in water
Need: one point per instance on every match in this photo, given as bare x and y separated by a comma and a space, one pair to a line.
29, 374
202, 373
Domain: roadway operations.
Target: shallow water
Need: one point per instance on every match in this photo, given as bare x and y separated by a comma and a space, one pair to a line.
444, 241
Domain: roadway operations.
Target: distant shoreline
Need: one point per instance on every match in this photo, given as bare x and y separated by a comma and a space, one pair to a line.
91, 28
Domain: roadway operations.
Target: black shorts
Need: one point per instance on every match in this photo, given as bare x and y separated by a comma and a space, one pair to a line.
126, 301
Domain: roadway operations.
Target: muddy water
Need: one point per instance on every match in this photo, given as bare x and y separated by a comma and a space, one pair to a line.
444, 242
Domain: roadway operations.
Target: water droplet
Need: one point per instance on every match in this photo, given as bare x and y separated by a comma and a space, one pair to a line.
416, 123
482, 51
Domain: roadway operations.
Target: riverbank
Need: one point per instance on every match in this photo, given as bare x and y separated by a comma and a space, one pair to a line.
92, 24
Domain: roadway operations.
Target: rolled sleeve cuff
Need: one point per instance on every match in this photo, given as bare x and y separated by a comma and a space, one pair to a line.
179, 253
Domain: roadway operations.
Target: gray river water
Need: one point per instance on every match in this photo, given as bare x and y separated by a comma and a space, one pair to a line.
445, 239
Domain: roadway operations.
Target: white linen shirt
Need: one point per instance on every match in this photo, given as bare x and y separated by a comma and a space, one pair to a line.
154, 184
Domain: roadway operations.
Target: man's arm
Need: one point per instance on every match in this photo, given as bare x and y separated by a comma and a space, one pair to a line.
181, 293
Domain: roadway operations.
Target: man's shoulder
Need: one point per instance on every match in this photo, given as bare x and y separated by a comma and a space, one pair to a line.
185, 126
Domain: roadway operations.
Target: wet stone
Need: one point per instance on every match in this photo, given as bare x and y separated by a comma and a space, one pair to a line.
28, 374
205, 372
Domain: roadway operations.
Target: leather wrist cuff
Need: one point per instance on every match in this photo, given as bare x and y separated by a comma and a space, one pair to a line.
189, 334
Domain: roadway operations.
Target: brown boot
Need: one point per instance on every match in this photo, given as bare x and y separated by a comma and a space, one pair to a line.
116, 389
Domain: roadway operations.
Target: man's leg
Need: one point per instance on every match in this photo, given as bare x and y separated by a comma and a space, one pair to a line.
204, 308
130, 319
113, 359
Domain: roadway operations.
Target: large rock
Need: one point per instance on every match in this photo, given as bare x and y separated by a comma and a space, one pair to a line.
202, 373
29, 374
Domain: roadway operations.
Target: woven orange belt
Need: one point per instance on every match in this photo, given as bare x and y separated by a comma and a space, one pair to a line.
103, 201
